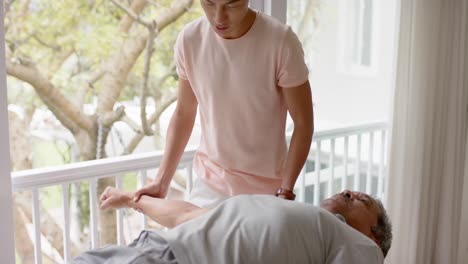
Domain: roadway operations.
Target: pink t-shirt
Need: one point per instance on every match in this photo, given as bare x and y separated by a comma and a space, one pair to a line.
237, 83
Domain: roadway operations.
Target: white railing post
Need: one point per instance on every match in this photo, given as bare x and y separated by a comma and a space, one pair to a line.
7, 243
317, 174
93, 223
141, 183
66, 222
331, 168
37, 227
370, 163
119, 215
344, 179
357, 171
383, 148
302, 182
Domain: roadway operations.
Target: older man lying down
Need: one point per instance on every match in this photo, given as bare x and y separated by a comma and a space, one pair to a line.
350, 227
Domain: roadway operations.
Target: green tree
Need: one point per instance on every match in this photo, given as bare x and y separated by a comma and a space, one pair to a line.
71, 52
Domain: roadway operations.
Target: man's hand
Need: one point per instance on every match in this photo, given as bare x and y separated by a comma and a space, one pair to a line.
113, 198
155, 189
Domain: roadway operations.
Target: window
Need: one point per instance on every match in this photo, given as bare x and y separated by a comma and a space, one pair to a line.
343, 52
69, 49
358, 22
351, 82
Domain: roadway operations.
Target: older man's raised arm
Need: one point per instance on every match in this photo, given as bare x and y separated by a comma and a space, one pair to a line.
168, 213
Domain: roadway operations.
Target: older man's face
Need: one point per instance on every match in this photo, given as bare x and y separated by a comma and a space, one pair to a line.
359, 209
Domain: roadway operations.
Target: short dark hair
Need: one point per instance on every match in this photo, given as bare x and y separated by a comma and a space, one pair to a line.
383, 230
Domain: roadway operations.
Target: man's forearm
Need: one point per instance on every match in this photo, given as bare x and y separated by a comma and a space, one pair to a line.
298, 150
178, 133
299, 102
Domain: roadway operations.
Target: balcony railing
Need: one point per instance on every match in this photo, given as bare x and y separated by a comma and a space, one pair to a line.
338, 153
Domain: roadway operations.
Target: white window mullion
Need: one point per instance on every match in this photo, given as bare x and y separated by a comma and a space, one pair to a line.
7, 243
274, 8
257, 5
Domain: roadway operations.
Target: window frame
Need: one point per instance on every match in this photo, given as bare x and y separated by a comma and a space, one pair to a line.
7, 243
273, 8
344, 67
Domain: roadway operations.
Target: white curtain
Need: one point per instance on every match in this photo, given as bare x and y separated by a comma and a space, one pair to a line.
463, 246
427, 152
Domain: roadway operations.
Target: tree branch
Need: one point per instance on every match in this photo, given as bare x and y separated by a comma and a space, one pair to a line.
64, 120
24, 8
171, 73
123, 60
154, 117
125, 23
131, 14
144, 87
83, 90
69, 115
53, 47
110, 118
176, 11
155, 4
15, 43
57, 64
7, 4
132, 124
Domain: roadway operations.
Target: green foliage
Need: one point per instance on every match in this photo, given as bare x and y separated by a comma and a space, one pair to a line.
68, 41
163, 55
66, 24
83, 204
46, 154
51, 197
129, 181
89, 31
18, 259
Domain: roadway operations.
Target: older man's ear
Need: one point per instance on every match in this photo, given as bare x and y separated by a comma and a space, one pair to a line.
375, 239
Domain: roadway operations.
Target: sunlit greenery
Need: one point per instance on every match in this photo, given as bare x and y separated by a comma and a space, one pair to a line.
69, 42
89, 31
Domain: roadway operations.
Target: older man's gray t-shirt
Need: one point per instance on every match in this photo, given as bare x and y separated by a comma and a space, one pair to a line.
266, 229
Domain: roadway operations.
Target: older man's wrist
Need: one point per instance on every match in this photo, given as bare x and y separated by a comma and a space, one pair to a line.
129, 199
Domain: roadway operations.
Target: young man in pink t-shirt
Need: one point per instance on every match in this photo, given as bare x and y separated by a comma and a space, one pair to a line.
244, 70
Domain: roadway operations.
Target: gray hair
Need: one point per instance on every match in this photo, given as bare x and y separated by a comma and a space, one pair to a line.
383, 230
